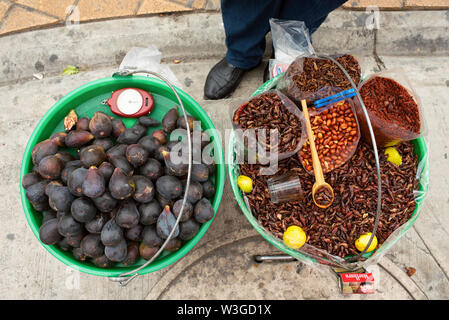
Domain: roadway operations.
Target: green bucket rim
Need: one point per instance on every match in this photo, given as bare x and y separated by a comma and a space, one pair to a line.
233, 169
137, 81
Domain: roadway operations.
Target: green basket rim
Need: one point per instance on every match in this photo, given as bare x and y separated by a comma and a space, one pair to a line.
160, 262
271, 84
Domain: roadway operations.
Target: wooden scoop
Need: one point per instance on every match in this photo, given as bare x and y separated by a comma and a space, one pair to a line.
317, 169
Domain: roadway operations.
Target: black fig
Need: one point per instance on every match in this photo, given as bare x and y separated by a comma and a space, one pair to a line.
103, 262
75, 241
83, 124
127, 215
48, 215
173, 245
92, 156
29, 179
169, 120
112, 233
150, 237
78, 138
67, 226
52, 185
152, 169
147, 252
136, 155
195, 192
149, 212
118, 127
78, 254
118, 252
134, 233
147, 121
64, 245
177, 168
132, 255
94, 184
117, 150
187, 212
75, 181
48, 232
132, 135
59, 138
150, 143
42, 149
50, 167
200, 172
144, 191
120, 185
83, 210
100, 125
208, 189
68, 169
65, 157
105, 143
105, 202
181, 122
165, 223
188, 229
60, 199
169, 187
122, 163
91, 246
106, 169
160, 135
96, 224
203, 211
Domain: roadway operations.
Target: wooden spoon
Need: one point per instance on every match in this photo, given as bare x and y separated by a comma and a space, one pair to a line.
317, 169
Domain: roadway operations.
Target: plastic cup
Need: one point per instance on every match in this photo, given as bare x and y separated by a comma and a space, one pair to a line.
285, 188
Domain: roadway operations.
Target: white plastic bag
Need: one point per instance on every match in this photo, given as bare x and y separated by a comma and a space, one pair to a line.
291, 39
148, 59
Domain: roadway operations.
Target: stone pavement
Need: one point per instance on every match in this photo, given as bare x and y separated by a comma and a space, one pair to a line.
221, 265
23, 15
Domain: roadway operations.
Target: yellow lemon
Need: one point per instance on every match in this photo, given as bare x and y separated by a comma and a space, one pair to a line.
362, 241
294, 237
245, 183
393, 156
392, 143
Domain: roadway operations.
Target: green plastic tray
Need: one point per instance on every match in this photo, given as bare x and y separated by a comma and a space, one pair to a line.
86, 100
234, 170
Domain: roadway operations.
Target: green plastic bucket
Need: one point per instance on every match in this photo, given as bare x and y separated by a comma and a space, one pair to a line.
234, 171
86, 100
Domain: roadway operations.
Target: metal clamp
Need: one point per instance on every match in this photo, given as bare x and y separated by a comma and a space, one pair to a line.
127, 277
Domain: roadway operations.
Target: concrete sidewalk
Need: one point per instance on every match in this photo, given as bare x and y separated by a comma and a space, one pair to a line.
220, 265
24, 15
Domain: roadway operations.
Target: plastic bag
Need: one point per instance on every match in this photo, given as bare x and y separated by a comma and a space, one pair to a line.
337, 135
276, 67
291, 39
268, 125
148, 59
313, 78
393, 108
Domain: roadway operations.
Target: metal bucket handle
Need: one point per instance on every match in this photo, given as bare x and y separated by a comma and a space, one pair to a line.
127, 277
376, 157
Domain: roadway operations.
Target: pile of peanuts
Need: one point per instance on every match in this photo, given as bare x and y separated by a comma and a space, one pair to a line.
336, 134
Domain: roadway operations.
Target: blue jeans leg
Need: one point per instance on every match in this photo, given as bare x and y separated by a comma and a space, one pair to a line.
246, 24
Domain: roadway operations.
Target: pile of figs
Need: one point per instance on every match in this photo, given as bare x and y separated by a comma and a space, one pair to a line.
112, 194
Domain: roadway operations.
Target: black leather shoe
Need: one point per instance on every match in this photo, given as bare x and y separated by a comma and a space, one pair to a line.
222, 80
